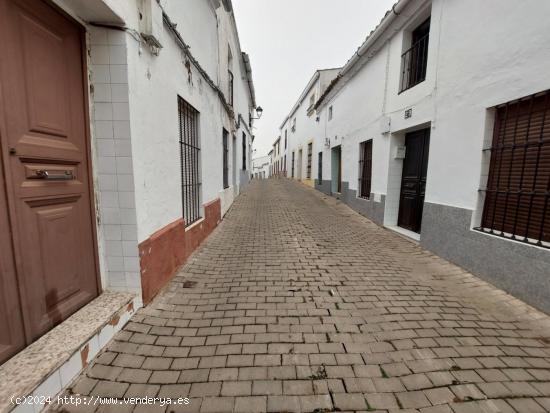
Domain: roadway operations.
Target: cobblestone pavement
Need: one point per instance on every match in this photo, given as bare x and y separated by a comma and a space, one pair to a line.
297, 303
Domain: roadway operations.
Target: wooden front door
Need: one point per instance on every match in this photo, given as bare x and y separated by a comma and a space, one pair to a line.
45, 148
413, 182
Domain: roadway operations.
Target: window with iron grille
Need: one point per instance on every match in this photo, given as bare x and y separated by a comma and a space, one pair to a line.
225, 138
365, 169
414, 61
320, 167
284, 166
309, 156
292, 166
190, 160
244, 151
230, 91
517, 196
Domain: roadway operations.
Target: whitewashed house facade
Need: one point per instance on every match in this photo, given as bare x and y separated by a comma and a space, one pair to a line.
134, 138
260, 167
439, 126
300, 127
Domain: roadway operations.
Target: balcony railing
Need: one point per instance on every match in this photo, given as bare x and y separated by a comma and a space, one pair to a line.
414, 62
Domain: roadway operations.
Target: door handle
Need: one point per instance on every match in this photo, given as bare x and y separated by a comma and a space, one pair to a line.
56, 176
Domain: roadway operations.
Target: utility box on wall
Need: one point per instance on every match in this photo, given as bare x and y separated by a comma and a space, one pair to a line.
150, 23
399, 152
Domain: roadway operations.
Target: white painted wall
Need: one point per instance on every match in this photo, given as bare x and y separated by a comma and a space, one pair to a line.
134, 114
260, 166
307, 126
155, 83
480, 54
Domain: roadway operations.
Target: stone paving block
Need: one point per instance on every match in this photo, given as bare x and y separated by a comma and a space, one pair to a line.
267, 387
278, 404
251, 404
217, 404
236, 388
297, 387
349, 401
110, 389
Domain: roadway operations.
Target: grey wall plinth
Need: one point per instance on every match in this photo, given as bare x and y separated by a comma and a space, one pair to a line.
323, 186
367, 207
521, 270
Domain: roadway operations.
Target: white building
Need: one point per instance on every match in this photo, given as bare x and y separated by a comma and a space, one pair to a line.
301, 126
278, 159
438, 127
131, 141
260, 167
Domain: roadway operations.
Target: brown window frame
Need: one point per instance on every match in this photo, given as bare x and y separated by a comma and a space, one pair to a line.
365, 169
517, 193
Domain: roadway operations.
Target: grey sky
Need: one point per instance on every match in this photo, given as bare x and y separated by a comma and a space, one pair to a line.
289, 39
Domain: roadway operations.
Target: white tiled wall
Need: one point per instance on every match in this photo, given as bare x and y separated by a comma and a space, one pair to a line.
113, 171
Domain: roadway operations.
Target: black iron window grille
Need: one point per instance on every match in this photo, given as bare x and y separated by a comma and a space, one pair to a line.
292, 166
320, 168
244, 151
225, 159
517, 196
230, 86
414, 61
365, 169
309, 159
189, 160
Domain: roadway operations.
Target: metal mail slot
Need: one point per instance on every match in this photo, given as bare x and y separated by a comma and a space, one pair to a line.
54, 175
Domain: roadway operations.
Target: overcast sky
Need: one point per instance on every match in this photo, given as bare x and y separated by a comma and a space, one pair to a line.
288, 40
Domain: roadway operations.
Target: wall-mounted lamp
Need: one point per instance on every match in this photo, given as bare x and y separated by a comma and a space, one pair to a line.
259, 112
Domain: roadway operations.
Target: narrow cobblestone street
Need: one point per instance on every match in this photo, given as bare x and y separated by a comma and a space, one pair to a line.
298, 304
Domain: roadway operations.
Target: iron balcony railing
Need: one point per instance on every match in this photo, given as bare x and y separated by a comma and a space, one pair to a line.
414, 63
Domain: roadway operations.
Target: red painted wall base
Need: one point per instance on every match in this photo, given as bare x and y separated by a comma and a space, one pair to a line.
168, 248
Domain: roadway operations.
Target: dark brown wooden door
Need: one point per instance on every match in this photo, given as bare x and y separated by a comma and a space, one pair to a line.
413, 182
12, 337
46, 151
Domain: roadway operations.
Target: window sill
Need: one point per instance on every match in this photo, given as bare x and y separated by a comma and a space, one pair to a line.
411, 87
509, 237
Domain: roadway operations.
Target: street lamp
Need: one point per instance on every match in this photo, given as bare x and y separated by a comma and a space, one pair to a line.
259, 112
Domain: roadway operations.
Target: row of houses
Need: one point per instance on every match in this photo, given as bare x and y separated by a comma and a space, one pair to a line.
438, 127
125, 135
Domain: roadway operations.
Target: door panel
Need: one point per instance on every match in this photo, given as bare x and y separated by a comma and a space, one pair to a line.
413, 182
12, 338
43, 81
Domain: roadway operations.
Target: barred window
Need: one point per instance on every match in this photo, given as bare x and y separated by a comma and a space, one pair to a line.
230, 87
365, 168
309, 159
414, 61
225, 158
244, 151
189, 160
292, 166
517, 196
